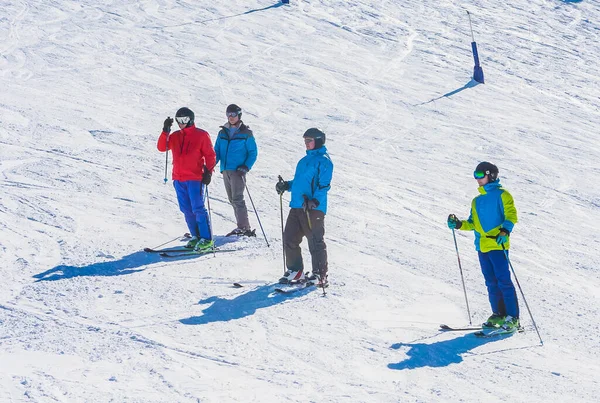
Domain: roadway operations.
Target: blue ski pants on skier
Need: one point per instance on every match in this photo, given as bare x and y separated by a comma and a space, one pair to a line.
191, 196
501, 291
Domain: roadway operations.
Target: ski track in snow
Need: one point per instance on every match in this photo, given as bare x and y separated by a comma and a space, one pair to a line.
85, 315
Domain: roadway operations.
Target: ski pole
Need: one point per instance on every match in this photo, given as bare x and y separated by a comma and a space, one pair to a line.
522, 294
462, 278
167, 160
210, 221
255, 212
282, 240
186, 235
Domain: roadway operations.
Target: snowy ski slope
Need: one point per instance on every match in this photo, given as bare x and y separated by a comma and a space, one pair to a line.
86, 316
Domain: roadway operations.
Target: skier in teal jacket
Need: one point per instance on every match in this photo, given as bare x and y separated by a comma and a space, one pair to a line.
312, 181
236, 150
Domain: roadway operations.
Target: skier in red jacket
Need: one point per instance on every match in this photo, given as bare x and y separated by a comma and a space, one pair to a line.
193, 162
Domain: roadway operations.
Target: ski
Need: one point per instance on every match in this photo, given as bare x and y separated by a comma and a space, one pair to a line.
166, 250
195, 253
282, 288
278, 289
447, 328
257, 282
497, 332
293, 288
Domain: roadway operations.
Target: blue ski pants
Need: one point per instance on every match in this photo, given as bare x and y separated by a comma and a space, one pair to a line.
191, 198
501, 291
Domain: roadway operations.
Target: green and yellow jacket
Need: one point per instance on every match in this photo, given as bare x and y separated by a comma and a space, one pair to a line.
492, 210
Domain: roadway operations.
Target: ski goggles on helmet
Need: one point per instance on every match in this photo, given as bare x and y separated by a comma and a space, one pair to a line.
183, 120
232, 114
480, 174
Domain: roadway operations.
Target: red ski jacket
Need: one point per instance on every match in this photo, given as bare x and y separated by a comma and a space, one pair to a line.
192, 149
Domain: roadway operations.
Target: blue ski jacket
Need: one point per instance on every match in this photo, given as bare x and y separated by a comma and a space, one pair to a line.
493, 209
312, 179
237, 149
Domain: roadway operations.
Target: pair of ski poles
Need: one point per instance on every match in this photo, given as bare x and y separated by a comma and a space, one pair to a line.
516, 280
208, 198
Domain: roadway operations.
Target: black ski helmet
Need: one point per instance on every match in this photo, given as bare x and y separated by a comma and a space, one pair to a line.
489, 169
234, 108
316, 134
185, 112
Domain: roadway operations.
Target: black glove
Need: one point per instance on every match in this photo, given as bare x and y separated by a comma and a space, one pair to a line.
453, 222
206, 176
167, 125
282, 186
243, 169
310, 204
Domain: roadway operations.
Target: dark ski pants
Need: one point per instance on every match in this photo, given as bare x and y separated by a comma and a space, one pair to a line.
235, 186
501, 291
191, 198
296, 228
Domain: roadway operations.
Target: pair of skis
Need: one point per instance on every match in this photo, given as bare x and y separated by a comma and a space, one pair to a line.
181, 251
479, 331
285, 288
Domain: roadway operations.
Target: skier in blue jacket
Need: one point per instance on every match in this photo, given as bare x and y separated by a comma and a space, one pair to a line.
312, 181
237, 152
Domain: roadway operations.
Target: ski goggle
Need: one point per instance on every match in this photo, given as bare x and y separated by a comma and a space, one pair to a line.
480, 174
183, 120
232, 114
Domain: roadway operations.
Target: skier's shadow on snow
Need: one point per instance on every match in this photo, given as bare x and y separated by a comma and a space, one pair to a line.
223, 310
468, 85
126, 265
440, 354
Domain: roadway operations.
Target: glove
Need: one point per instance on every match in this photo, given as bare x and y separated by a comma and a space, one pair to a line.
206, 176
310, 204
167, 125
282, 186
502, 237
453, 222
243, 169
